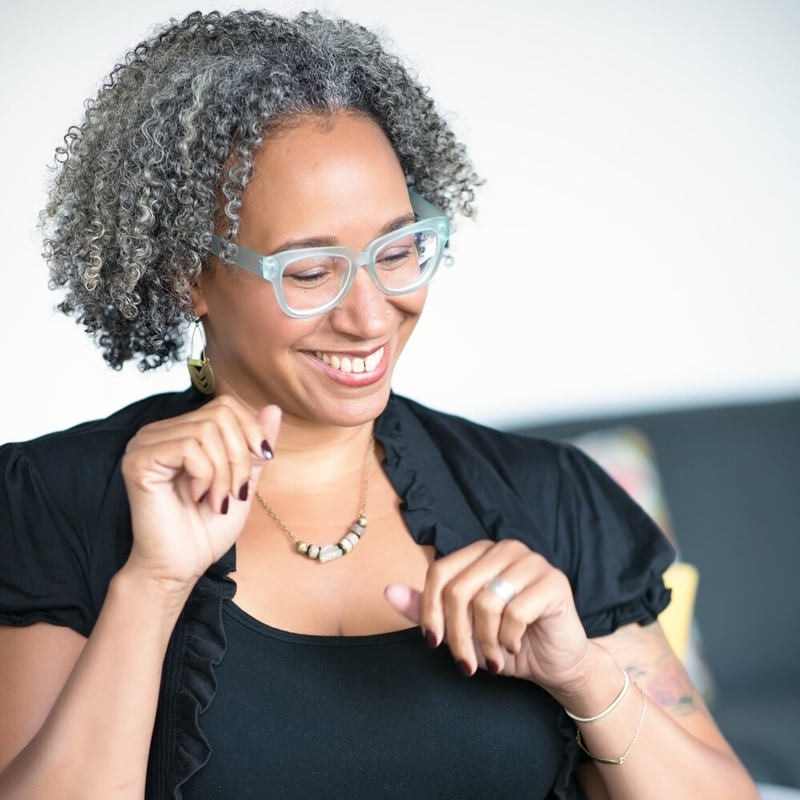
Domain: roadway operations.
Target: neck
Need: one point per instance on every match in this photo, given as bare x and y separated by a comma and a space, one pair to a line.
310, 455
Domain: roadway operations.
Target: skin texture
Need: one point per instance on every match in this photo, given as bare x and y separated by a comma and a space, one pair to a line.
341, 180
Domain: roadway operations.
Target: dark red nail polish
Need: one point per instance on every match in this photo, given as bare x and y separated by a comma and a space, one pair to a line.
203, 497
266, 449
224, 509
494, 667
465, 668
243, 491
430, 639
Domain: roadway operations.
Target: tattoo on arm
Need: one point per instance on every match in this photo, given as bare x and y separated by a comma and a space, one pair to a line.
646, 656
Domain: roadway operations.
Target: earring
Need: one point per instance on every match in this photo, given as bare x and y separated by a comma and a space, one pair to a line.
200, 368
388, 310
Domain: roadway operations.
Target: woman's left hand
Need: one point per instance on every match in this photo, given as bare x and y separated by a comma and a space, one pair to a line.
537, 635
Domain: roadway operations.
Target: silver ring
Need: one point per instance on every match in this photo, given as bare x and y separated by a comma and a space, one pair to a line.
503, 589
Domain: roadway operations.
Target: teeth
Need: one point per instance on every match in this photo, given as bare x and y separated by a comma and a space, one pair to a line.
345, 364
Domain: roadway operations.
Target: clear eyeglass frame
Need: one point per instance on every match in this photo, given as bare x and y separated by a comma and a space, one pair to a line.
271, 268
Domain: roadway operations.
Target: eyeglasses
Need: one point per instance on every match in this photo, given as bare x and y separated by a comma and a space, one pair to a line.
312, 280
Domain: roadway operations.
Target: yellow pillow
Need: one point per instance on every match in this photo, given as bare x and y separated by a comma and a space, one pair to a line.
676, 618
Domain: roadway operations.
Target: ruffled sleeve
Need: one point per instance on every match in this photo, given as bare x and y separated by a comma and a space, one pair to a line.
463, 481
613, 552
44, 550
614, 555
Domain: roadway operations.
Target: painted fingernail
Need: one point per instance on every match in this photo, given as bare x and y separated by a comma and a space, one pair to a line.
243, 491
494, 667
465, 668
224, 509
266, 449
430, 639
203, 497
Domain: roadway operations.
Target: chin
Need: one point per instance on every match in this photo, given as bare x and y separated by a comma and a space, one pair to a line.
356, 410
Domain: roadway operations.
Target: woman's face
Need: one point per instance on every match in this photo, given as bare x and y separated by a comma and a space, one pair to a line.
339, 180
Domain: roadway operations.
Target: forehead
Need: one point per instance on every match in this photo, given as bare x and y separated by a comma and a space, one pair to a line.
335, 176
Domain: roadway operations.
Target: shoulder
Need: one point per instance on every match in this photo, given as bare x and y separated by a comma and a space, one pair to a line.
562, 503
98, 436
78, 460
518, 458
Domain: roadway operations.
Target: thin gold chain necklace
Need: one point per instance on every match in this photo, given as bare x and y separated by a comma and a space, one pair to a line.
329, 552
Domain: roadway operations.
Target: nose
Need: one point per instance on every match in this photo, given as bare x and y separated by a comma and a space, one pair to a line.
362, 312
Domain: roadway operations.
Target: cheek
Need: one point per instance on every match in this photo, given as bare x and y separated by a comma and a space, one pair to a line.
412, 304
251, 317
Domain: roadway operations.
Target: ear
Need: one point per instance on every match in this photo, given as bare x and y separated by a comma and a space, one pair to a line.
198, 299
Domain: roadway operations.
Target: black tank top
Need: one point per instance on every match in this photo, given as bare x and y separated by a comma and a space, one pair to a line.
302, 717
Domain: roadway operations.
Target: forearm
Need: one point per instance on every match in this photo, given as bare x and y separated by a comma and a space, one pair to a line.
95, 742
666, 761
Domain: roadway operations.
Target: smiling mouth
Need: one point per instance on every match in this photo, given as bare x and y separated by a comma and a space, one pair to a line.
345, 363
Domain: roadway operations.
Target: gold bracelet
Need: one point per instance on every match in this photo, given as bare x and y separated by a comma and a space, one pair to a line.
613, 705
622, 758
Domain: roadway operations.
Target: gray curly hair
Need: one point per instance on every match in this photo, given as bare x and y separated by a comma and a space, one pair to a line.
137, 186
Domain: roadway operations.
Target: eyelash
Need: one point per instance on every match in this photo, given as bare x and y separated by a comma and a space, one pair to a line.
304, 278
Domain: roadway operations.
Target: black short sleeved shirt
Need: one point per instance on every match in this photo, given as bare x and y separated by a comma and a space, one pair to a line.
65, 531
64, 521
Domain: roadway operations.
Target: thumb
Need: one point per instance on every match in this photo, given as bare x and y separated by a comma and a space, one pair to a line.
269, 419
405, 599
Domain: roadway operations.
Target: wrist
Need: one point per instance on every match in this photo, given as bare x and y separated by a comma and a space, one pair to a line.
600, 683
167, 596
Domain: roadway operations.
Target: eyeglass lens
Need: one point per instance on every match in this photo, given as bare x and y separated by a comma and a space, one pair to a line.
401, 263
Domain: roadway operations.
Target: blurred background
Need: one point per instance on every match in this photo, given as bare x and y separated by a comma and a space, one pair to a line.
630, 280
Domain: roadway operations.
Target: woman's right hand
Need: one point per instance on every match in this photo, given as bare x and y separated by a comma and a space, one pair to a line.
185, 477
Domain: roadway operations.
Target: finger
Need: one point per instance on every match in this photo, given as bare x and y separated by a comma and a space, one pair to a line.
542, 597
269, 421
149, 466
488, 610
439, 574
239, 454
209, 436
253, 433
237, 425
405, 599
257, 438
458, 594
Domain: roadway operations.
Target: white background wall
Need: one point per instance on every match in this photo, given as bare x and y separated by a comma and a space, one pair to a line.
637, 243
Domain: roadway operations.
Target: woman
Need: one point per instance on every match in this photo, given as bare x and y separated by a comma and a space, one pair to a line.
345, 511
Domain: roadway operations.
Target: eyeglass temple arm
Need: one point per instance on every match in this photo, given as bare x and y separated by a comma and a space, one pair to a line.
248, 259
422, 207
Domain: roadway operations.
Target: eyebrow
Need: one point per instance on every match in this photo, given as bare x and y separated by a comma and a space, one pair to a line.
332, 241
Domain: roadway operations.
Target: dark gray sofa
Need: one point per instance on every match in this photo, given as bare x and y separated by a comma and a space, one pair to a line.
732, 480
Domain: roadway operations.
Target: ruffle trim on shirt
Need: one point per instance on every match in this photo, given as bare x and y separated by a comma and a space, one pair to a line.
643, 609
437, 513
205, 647
424, 519
419, 506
